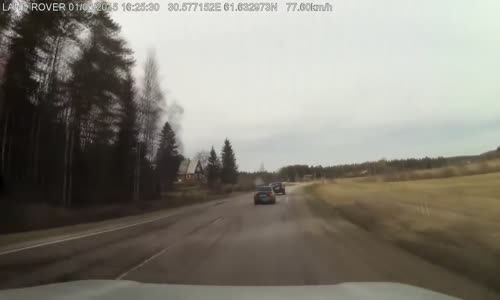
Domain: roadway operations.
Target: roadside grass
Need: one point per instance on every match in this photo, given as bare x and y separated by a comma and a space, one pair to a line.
194, 195
16, 217
42, 221
453, 222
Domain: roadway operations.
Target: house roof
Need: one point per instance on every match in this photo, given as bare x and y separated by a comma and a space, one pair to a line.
188, 166
183, 167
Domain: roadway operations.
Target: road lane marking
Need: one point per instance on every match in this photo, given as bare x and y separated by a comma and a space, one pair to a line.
85, 235
144, 262
215, 221
91, 234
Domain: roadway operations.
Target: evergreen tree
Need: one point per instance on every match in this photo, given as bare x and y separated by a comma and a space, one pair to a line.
126, 146
98, 79
19, 89
167, 158
32, 112
229, 171
98, 82
213, 168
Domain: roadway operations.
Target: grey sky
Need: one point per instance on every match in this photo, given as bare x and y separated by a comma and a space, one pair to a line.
372, 79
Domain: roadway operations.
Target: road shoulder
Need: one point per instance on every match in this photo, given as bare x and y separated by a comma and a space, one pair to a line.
25, 240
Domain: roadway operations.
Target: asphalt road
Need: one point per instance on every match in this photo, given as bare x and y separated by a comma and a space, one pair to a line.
230, 242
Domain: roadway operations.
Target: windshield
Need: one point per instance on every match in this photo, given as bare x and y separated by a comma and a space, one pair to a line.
251, 143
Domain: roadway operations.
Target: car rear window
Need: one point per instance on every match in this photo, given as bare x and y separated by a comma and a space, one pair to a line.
264, 189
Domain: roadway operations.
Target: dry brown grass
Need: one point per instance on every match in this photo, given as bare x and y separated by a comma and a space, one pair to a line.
35, 216
464, 169
454, 222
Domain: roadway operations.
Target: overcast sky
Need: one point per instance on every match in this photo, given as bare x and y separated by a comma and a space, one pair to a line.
370, 80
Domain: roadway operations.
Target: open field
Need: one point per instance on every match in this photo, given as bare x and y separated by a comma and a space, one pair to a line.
454, 222
463, 168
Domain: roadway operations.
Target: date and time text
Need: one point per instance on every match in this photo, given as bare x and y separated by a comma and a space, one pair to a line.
174, 6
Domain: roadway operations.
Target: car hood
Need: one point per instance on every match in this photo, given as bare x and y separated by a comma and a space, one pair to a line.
128, 290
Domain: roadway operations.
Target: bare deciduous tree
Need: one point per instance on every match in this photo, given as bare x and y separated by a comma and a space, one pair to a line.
151, 106
203, 157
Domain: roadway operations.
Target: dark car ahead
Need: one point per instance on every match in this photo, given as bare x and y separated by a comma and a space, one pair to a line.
264, 194
278, 187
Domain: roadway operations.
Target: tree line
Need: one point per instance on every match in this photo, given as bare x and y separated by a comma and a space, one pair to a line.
75, 129
225, 170
383, 166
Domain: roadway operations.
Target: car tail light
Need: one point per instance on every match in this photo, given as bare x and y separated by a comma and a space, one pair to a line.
270, 194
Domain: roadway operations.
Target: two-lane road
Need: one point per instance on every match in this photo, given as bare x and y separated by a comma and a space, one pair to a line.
232, 243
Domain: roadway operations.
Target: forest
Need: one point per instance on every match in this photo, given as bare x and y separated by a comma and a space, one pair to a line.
76, 128
380, 167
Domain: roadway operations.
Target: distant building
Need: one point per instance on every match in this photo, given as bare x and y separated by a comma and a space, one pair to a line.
364, 173
190, 172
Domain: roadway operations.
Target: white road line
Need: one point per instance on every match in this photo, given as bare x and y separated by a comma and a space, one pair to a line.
121, 276
87, 235
143, 263
216, 220
83, 235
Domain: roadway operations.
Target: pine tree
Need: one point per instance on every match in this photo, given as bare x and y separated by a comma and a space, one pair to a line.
126, 146
229, 171
98, 79
19, 88
33, 111
213, 168
98, 82
167, 158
